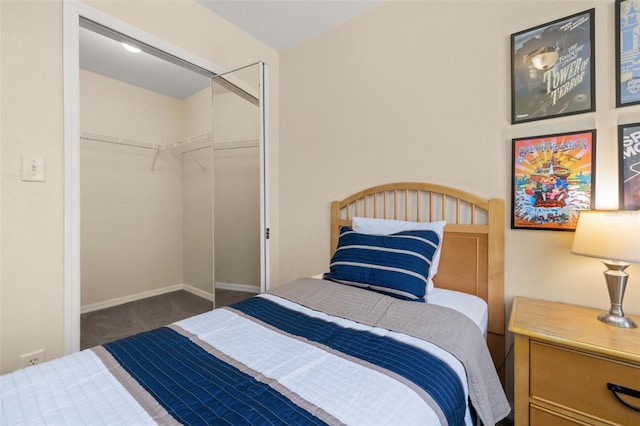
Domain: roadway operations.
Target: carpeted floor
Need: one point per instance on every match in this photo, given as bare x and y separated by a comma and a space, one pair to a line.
109, 324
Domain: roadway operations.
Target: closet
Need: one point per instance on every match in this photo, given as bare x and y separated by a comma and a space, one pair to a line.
171, 187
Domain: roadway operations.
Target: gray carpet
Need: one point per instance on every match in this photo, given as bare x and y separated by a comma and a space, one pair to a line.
106, 325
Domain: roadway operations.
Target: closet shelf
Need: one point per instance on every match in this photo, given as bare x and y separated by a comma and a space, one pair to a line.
118, 141
239, 144
183, 146
191, 144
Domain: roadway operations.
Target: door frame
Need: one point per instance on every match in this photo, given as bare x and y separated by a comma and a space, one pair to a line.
265, 250
72, 11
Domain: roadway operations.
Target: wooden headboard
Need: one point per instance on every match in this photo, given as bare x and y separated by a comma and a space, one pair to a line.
472, 259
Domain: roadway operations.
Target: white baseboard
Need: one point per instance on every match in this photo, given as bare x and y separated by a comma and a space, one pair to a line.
143, 295
247, 288
198, 292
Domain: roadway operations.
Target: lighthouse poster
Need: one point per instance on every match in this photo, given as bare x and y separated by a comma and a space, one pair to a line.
553, 178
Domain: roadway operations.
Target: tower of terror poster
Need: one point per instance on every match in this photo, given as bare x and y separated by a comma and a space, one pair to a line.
553, 69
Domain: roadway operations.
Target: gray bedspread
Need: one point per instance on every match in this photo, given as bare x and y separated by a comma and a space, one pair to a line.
444, 327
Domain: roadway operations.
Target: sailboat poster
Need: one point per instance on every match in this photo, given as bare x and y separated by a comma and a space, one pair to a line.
553, 178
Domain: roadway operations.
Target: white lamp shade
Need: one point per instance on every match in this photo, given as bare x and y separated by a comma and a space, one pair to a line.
610, 235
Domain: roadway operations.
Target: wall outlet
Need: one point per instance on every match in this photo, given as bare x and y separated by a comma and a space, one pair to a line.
32, 358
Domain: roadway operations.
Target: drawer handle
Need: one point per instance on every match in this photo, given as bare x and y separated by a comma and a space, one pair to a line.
615, 389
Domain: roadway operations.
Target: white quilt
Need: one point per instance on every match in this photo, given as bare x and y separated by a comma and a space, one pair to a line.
88, 388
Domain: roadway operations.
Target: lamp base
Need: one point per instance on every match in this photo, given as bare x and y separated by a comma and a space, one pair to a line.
616, 279
616, 320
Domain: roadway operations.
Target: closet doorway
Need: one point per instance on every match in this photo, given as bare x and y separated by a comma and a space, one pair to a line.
164, 177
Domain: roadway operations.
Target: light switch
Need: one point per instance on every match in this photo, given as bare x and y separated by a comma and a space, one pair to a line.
33, 168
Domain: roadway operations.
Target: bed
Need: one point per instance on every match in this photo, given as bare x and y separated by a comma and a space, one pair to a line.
322, 350
474, 232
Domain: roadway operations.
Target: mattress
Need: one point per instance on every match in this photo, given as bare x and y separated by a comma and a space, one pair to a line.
313, 352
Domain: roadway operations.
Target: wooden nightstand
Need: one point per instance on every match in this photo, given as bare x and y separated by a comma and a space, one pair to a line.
564, 360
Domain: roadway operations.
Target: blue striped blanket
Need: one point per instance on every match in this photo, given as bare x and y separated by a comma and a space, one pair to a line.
265, 361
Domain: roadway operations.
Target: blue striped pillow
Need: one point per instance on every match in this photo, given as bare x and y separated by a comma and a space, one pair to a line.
396, 265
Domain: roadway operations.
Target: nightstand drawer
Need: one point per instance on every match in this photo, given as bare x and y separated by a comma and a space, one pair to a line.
578, 382
540, 416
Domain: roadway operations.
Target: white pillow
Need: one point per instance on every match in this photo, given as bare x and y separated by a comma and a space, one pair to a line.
366, 225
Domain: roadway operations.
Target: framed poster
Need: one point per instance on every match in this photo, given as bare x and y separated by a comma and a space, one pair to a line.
629, 166
553, 69
553, 178
627, 52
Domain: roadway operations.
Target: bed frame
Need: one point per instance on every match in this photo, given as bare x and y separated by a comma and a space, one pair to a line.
472, 259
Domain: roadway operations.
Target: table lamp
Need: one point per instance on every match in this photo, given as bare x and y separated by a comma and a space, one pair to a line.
613, 235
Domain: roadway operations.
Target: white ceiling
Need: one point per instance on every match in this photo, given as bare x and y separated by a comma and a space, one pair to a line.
283, 24
280, 24
108, 57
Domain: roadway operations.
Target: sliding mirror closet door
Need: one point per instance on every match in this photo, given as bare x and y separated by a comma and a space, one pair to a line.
240, 184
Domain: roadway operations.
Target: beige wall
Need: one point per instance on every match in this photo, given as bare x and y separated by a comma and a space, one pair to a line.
32, 122
421, 91
112, 107
197, 249
32, 213
131, 215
